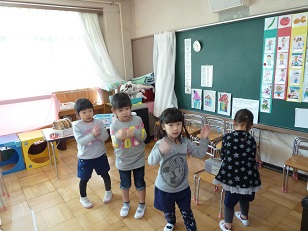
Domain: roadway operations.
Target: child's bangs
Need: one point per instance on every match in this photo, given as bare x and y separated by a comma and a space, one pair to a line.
173, 118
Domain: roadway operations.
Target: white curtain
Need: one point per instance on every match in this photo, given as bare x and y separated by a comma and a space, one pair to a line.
164, 71
104, 68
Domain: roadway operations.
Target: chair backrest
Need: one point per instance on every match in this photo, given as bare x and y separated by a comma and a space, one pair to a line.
229, 126
216, 124
300, 146
213, 149
194, 123
193, 119
256, 133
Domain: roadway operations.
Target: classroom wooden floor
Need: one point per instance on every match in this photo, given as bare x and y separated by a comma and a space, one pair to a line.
56, 207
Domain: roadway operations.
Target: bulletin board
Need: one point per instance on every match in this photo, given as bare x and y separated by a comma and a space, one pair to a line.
235, 50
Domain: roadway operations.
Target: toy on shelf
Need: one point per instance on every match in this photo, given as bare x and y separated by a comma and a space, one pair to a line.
135, 90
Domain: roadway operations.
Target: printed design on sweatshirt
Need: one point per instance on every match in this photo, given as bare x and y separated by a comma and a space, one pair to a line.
173, 170
86, 132
129, 142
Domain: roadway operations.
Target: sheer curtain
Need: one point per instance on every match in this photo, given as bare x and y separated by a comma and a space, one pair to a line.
164, 70
43, 51
103, 68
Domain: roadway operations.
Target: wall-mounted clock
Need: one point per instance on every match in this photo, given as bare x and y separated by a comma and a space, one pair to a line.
196, 46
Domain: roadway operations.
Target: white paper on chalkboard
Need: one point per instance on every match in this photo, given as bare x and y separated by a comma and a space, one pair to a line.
252, 105
301, 118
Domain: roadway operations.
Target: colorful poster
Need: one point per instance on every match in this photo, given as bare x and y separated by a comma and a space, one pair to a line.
305, 84
209, 100
266, 105
281, 76
266, 90
279, 91
282, 60
187, 67
296, 83
270, 44
196, 96
224, 103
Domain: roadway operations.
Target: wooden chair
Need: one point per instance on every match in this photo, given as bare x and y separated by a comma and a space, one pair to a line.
298, 161
218, 129
156, 130
256, 133
207, 177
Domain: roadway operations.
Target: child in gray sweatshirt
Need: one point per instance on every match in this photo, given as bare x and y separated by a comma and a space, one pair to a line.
90, 135
127, 134
171, 184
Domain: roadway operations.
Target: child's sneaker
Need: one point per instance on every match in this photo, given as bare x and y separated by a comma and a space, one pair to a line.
169, 227
239, 216
85, 202
222, 225
124, 211
140, 212
107, 197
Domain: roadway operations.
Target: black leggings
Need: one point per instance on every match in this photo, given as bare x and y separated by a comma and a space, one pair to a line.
188, 218
83, 184
229, 211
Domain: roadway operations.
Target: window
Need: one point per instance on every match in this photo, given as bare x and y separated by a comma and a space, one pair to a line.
42, 51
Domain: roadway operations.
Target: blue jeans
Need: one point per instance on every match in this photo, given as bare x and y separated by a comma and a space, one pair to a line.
126, 180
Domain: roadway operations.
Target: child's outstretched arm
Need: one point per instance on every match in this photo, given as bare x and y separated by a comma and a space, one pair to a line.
160, 148
205, 131
201, 149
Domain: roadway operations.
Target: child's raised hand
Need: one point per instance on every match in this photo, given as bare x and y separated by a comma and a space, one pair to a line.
96, 131
121, 134
205, 131
164, 147
130, 132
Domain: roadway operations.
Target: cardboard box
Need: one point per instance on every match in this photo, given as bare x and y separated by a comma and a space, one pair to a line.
212, 166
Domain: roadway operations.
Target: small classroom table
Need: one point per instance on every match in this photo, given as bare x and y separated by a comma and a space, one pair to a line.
51, 147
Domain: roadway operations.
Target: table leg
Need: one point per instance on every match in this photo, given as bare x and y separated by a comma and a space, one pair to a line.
220, 203
54, 158
49, 153
195, 187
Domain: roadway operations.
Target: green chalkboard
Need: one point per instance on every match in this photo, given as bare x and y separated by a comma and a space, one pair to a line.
235, 50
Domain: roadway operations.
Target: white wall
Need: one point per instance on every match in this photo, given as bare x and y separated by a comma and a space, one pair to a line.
155, 16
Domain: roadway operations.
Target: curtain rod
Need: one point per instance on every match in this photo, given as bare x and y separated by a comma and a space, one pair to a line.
247, 18
51, 7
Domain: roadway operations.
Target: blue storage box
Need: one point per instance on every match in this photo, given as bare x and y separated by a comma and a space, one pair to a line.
11, 143
136, 100
106, 118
